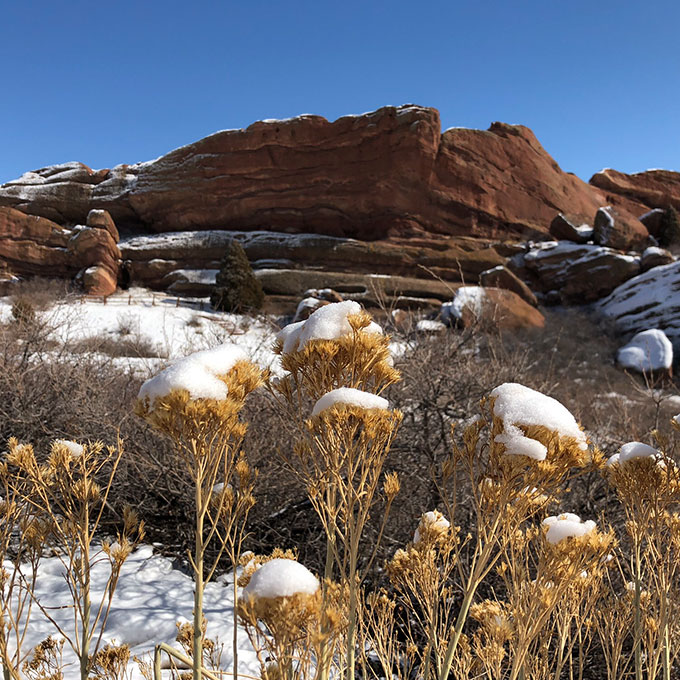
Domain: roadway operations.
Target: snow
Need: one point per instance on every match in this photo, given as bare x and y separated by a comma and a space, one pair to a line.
635, 450
569, 254
429, 521
351, 397
329, 322
466, 297
516, 444
517, 405
654, 250
74, 448
171, 327
430, 326
150, 599
198, 374
281, 577
648, 350
566, 525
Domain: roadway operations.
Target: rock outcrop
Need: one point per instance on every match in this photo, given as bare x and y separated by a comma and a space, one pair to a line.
31, 245
649, 300
578, 273
187, 261
391, 173
640, 191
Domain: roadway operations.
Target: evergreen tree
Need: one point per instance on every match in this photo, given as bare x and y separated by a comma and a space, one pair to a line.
236, 287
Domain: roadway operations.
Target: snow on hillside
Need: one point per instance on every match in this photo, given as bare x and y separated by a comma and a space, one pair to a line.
156, 320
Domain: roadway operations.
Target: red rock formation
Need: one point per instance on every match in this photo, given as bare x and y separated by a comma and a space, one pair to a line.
640, 191
390, 173
36, 245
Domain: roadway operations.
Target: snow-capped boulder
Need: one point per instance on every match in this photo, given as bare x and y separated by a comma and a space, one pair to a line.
647, 351
655, 257
649, 300
500, 308
612, 230
562, 229
578, 273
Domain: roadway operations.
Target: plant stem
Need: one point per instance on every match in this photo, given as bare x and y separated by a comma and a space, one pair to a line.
460, 622
198, 581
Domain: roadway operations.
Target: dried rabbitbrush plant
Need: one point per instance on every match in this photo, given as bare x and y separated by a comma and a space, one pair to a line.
69, 493
339, 361
23, 535
647, 483
534, 447
197, 402
291, 624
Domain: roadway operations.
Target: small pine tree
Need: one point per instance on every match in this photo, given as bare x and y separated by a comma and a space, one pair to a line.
670, 228
236, 287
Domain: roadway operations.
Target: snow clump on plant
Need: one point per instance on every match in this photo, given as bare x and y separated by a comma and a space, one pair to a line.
518, 405
432, 522
635, 450
198, 374
75, 449
329, 322
566, 525
351, 397
281, 577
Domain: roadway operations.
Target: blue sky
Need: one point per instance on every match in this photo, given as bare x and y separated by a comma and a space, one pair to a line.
121, 82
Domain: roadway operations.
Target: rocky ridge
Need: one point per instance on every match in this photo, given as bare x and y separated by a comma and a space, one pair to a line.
383, 207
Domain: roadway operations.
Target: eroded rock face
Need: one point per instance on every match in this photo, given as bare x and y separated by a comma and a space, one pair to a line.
31, 245
389, 173
645, 190
152, 260
578, 273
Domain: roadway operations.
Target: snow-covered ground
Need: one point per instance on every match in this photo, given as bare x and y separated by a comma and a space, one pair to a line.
173, 327
151, 598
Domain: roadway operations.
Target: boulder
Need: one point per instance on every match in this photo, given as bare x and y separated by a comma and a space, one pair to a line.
578, 273
307, 306
614, 229
370, 289
490, 307
151, 258
654, 221
562, 229
649, 300
102, 219
648, 352
502, 277
655, 257
98, 280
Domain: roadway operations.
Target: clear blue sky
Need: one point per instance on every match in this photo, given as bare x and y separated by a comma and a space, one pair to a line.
108, 82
